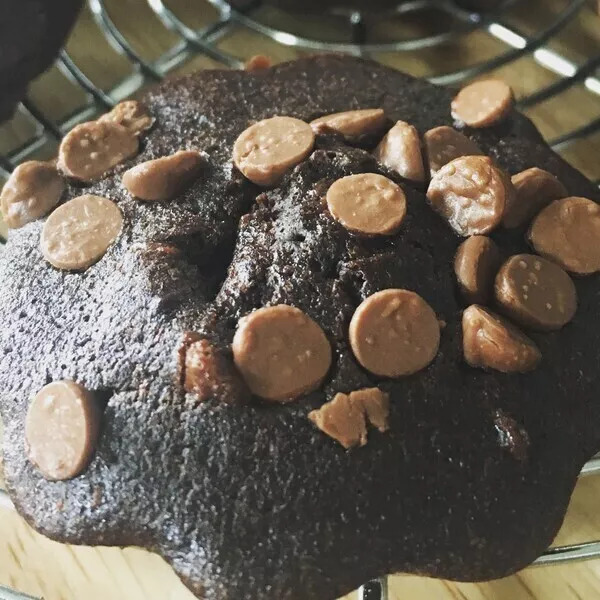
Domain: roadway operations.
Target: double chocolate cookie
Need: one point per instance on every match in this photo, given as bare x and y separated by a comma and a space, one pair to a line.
261, 346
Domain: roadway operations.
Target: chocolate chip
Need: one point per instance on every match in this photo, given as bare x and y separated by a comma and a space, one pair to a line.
32, 191
344, 418
443, 144
394, 333
491, 342
511, 436
91, 149
281, 352
400, 150
79, 232
534, 189
367, 203
267, 150
352, 124
208, 374
258, 62
61, 430
483, 103
132, 115
535, 292
470, 193
376, 405
164, 178
475, 265
568, 233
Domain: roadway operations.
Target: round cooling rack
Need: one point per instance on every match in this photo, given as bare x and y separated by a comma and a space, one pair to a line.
549, 50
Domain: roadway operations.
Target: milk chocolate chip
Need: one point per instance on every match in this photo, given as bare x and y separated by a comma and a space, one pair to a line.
61, 430
91, 149
534, 189
79, 232
268, 149
32, 191
394, 333
376, 405
281, 352
400, 150
568, 233
470, 193
535, 292
491, 342
258, 62
475, 265
483, 103
164, 178
443, 144
132, 115
344, 418
367, 203
352, 124
210, 375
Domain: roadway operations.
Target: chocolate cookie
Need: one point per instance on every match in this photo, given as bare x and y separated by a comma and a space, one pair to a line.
206, 423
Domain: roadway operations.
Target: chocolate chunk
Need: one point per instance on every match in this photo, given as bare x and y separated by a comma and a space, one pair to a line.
78, 233
258, 62
210, 375
443, 144
483, 103
61, 430
367, 203
91, 149
376, 405
511, 436
535, 292
352, 124
394, 333
475, 265
281, 352
568, 233
534, 189
344, 418
491, 342
132, 115
400, 150
267, 150
164, 178
470, 193
32, 191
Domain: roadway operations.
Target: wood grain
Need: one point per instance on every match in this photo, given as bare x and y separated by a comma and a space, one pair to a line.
34, 564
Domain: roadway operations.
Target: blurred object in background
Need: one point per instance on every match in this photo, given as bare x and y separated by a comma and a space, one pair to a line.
31, 34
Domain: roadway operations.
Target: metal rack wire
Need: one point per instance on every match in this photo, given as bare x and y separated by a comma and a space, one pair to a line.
354, 34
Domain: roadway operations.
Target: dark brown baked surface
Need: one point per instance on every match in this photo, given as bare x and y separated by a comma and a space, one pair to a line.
249, 500
31, 33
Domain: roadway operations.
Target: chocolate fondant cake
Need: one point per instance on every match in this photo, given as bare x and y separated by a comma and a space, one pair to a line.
242, 340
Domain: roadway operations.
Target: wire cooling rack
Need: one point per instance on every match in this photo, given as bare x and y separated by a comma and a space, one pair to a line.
417, 35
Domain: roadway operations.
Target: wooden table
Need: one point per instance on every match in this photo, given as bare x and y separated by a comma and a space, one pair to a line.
38, 566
